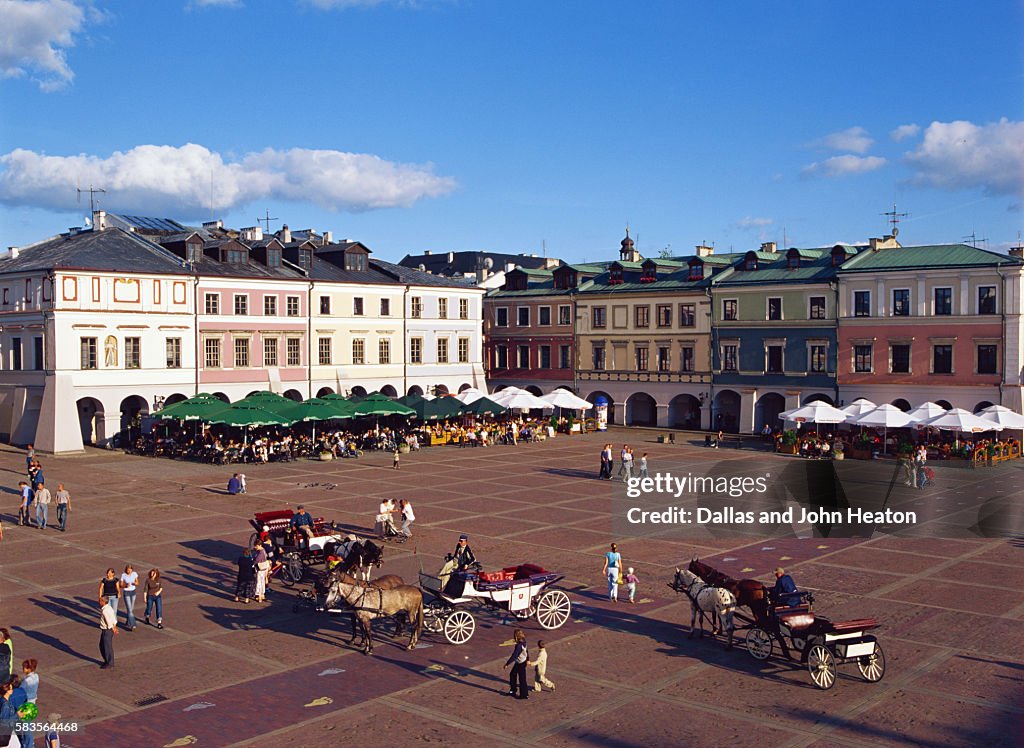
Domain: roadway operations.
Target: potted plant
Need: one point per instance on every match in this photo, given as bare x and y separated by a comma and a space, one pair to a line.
861, 449
788, 443
326, 455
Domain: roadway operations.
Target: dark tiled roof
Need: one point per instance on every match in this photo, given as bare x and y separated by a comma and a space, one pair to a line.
417, 277
323, 270
114, 250
469, 262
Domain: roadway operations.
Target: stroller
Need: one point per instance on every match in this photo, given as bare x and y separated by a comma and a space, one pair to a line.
386, 530
929, 477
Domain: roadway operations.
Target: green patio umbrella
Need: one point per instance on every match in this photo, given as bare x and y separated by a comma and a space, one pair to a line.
410, 400
341, 407
242, 414
439, 409
270, 401
483, 406
194, 409
381, 405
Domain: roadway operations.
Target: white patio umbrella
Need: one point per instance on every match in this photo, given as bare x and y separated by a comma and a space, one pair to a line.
470, 395
1003, 416
884, 416
962, 422
815, 412
562, 398
859, 407
520, 400
924, 411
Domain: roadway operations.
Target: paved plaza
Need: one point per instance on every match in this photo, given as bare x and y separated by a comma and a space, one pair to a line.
225, 674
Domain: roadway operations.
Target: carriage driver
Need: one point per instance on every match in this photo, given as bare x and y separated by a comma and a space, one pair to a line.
785, 592
302, 522
463, 554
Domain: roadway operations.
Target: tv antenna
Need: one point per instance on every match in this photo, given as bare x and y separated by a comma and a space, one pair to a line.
894, 218
973, 239
266, 220
93, 191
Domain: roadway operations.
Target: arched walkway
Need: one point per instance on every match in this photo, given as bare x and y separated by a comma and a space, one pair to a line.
90, 419
725, 411
131, 407
465, 386
440, 389
177, 397
592, 399
389, 391
641, 410
817, 396
767, 411
415, 390
324, 391
902, 404
222, 397
684, 412
534, 390
981, 406
293, 395
944, 404
254, 392
357, 391
500, 387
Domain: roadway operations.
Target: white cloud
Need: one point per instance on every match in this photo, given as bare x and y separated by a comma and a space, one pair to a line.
854, 139
961, 155
749, 222
176, 181
214, 4
842, 166
342, 4
33, 38
905, 131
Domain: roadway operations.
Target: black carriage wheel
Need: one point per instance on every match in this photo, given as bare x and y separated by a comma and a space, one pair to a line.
254, 539
822, 666
433, 617
872, 666
291, 572
758, 643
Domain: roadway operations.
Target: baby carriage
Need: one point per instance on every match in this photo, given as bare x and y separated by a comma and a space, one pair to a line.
929, 477
386, 530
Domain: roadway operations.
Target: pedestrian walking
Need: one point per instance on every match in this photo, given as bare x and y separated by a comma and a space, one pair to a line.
30, 679
110, 589
643, 465
241, 483
30, 457
540, 669
129, 582
394, 459
245, 583
611, 571
63, 507
920, 461
26, 500
907, 463
108, 629
43, 499
6, 655
517, 675
37, 478
408, 517
153, 597
622, 460
631, 582
627, 465
262, 564
603, 472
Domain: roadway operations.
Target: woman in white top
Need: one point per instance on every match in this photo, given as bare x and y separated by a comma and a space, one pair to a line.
408, 517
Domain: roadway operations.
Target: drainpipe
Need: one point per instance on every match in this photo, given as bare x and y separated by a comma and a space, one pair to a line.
405, 348
53, 305
575, 344
834, 285
309, 340
711, 359
195, 328
1002, 331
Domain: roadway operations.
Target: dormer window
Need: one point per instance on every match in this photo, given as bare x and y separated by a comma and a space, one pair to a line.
750, 261
515, 281
615, 275
565, 279
792, 259
355, 261
193, 251
305, 258
650, 273
838, 256
697, 271
234, 256
273, 257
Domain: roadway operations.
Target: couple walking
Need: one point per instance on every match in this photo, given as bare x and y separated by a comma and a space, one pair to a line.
625, 465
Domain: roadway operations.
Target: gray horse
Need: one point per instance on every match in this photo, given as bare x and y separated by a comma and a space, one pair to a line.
368, 602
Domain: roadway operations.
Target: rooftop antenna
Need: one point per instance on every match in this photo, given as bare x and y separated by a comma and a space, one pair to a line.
93, 191
266, 220
544, 247
894, 219
973, 238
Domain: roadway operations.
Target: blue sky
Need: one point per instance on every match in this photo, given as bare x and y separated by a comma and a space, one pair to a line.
502, 126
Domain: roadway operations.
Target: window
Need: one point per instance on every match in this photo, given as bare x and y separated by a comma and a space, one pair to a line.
664, 358
355, 261
384, 351
357, 306
862, 358
686, 358
173, 349
273, 258
545, 357
600, 317
463, 308
818, 359
463, 350
16, 357
415, 307
241, 304
793, 261
294, 350
325, 305
729, 357
385, 307
324, 350
987, 363
241, 353
193, 251
133, 353
697, 271
564, 314
641, 359
598, 356
614, 275
88, 347
861, 303
642, 314
501, 357
901, 302
523, 357
774, 308
900, 354
501, 316
269, 306
292, 306
416, 350
442, 308
729, 309
750, 262
544, 316
358, 351
211, 349
942, 359
235, 256
38, 363
269, 352
773, 359
305, 259
212, 303
564, 357
442, 350
817, 307
523, 316
943, 301
28, 290
664, 314
7, 296
986, 300
687, 315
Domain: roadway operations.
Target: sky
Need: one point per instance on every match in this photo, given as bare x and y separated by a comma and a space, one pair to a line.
519, 126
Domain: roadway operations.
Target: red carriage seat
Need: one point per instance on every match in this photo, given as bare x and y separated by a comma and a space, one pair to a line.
796, 618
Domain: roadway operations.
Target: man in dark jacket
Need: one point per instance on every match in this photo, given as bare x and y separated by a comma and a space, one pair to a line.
463, 554
784, 592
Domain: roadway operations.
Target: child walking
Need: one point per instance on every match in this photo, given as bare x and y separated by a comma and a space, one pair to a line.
631, 580
540, 667
394, 463
643, 465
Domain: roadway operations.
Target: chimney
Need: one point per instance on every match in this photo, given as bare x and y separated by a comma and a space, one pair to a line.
285, 234
328, 238
99, 220
451, 257
705, 251
213, 225
768, 246
1014, 252
251, 234
886, 242
427, 253
14, 252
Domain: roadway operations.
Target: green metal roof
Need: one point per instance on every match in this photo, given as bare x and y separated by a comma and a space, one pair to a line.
929, 256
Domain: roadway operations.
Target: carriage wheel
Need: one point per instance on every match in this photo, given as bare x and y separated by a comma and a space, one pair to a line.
433, 617
459, 627
822, 666
553, 609
291, 572
254, 539
759, 644
872, 666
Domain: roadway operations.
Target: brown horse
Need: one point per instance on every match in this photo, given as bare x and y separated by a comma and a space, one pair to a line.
369, 602
748, 592
385, 582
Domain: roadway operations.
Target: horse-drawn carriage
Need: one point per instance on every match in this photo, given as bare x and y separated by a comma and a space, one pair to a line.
814, 641
524, 591
290, 547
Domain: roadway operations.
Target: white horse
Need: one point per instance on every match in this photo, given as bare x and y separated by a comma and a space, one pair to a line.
719, 603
